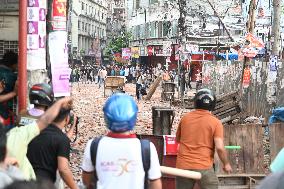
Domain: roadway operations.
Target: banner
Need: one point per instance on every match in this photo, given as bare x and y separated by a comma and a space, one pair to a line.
158, 50
135, 52
36, 37
167, 48
143, 51
246, 79
59, 63
126, 53
150, 50
58, 15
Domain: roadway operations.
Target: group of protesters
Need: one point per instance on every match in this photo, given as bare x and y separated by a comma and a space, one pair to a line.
35, 143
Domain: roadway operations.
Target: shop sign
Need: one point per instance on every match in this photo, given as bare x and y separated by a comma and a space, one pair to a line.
143, 51
135, 52
126, 53
246, 79
150, 50
158, 50
167, 48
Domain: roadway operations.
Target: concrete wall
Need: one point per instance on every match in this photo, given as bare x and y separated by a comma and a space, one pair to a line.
9, 27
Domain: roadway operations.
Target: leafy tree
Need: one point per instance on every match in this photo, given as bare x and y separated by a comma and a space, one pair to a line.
117, 43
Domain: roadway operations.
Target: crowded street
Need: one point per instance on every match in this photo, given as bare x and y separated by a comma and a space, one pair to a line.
141, 94
88, 103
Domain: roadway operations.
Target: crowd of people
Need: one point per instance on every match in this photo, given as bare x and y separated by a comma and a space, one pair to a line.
35, 144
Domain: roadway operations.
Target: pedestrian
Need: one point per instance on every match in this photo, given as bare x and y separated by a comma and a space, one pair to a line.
18, 138
8, 170
8, 77
41, 96
103, 75
139, 83
126, 74
118, 160
50, 151
199, 133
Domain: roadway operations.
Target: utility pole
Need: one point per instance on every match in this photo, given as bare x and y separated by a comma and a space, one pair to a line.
276, 27
276, 48
181, 36
250, 29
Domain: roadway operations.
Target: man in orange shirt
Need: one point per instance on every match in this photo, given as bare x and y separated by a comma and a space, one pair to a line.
199, 133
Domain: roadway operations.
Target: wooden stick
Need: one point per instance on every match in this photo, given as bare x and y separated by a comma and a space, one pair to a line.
181, 172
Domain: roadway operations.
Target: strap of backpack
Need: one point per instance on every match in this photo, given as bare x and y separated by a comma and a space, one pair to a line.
146, 154
93, 150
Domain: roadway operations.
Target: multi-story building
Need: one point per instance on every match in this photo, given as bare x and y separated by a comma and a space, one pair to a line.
116, 18
195, 26
88, 23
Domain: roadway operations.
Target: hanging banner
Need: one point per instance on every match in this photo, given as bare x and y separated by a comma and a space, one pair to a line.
60, 70
158, 50
176, 47
189, 48
167, 48
150, 50
36, 37
246, 79
272, 72
135, 52
143, 51
58, 15
126, 53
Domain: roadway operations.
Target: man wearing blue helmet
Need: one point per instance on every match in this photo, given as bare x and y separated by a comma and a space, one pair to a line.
118, 162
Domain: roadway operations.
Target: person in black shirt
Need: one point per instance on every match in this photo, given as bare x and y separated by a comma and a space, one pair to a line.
50, 151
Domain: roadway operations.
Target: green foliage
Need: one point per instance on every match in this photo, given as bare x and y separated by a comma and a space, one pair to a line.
117, 43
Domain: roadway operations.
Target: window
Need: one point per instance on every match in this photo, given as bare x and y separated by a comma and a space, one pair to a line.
153, 1
83, 4
79, 25
83, 26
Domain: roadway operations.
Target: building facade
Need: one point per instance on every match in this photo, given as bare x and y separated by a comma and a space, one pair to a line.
88, 23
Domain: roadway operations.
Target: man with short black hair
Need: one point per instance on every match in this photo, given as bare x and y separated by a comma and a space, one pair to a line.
51, 150
19, 137
8, 77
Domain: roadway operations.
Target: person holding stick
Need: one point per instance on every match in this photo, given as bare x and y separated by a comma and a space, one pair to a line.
199, 133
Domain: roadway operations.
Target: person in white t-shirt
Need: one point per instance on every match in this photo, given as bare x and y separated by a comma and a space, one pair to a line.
119, 159
126, 74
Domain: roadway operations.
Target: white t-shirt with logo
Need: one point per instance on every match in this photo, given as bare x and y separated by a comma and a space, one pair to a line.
119, 163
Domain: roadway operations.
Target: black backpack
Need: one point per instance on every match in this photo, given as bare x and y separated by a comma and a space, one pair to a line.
145, 148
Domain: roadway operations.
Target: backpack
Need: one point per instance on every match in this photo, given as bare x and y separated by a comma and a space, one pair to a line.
145, 149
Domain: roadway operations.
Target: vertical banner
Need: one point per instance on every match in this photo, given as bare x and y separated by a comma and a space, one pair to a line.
150, 50
58, 19
58, 49
246, 80
135, 52
167, 48
126, 53
60, 70
143, 51
36, 38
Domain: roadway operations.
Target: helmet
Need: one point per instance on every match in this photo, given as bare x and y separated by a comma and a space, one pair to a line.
205, 99
41, 94
120, 112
